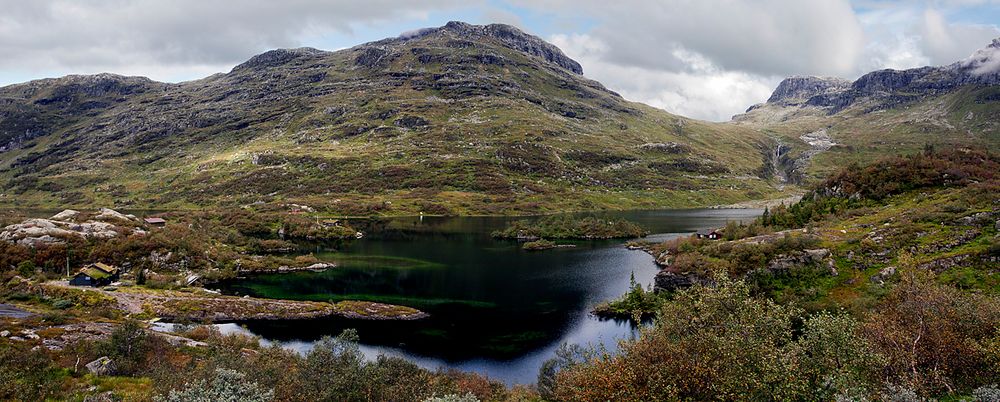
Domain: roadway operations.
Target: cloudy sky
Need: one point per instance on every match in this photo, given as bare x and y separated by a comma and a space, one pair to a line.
707, 59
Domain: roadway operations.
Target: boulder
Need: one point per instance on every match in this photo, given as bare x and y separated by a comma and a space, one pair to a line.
65, 215
107, 214
883, 275
102, 366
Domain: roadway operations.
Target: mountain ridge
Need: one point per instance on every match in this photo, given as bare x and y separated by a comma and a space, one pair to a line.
458, 119
835, 94
455, 119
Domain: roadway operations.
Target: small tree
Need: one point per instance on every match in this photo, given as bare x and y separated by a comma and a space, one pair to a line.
127, 347
26, 268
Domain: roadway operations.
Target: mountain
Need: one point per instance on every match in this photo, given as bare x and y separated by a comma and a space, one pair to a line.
455, 119
819, 124
458, 119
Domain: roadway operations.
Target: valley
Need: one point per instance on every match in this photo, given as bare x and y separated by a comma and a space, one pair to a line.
461, 212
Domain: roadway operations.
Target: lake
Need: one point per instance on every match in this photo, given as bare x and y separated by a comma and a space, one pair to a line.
495, 309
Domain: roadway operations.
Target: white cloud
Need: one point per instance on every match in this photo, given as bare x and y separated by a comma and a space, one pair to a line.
761, 37
122, 36
946, 42
702, 58
713, 58
698, 89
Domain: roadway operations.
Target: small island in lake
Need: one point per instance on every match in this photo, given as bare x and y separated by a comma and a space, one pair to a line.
569, 227
542, 244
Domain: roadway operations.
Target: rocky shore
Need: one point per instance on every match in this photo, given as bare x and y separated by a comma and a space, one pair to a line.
204, 306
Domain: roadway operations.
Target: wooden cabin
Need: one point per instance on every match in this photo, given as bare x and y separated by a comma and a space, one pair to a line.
96, 274
155, 221
710, 234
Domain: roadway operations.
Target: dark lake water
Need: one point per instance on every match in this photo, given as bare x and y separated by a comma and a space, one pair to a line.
495, 309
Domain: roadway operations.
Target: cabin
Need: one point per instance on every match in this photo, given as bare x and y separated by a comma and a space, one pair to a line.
96, 274
330, 223
710, 234
155, 221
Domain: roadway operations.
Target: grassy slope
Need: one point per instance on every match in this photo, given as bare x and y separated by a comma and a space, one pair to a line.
507, 147
943, 121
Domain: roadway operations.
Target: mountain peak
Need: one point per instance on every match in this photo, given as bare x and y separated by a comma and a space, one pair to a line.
798, 89
984, 61
508, 36
278, 57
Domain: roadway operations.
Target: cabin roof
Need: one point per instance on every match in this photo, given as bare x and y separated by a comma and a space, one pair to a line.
155, 220
102, 267
94, 273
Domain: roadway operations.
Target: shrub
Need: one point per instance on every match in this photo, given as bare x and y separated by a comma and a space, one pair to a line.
25, 374
931, 335
227, 386
708, 343
127, 347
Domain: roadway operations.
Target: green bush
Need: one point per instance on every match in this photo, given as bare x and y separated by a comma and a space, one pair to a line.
227, 386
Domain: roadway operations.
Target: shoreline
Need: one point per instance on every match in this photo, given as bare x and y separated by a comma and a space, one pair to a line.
738, 205
761, 204
201, 305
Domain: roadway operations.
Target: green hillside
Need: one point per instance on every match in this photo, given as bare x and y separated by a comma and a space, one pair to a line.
455, 120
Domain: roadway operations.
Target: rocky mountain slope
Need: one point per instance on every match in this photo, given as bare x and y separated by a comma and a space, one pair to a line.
456, 119
819, 124
459, 119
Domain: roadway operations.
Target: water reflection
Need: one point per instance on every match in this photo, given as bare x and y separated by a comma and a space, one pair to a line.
495, 309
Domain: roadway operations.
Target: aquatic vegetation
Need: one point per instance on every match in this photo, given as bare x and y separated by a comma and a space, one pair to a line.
570, 227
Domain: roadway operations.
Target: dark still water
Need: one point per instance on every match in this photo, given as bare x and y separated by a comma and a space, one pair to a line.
495, 309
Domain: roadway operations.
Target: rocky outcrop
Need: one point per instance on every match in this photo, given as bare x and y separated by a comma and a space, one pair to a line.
33, 232
787, 262
508, 36
797, 90
278, 57
887, 88
108, 214
66, 215
667, 281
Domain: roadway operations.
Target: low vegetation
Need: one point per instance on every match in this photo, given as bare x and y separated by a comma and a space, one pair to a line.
230, 367
216, 245
637, 304
570, 227
540, 244
722, 342
865, 290
879, 285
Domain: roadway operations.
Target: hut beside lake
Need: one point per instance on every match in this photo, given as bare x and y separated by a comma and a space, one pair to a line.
96, 274
711, 234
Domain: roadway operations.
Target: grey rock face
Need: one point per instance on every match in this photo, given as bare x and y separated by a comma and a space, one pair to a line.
101, 366
44, 231
787, 262
667, 281
884, 89
797, 90
278, 57
510, 37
